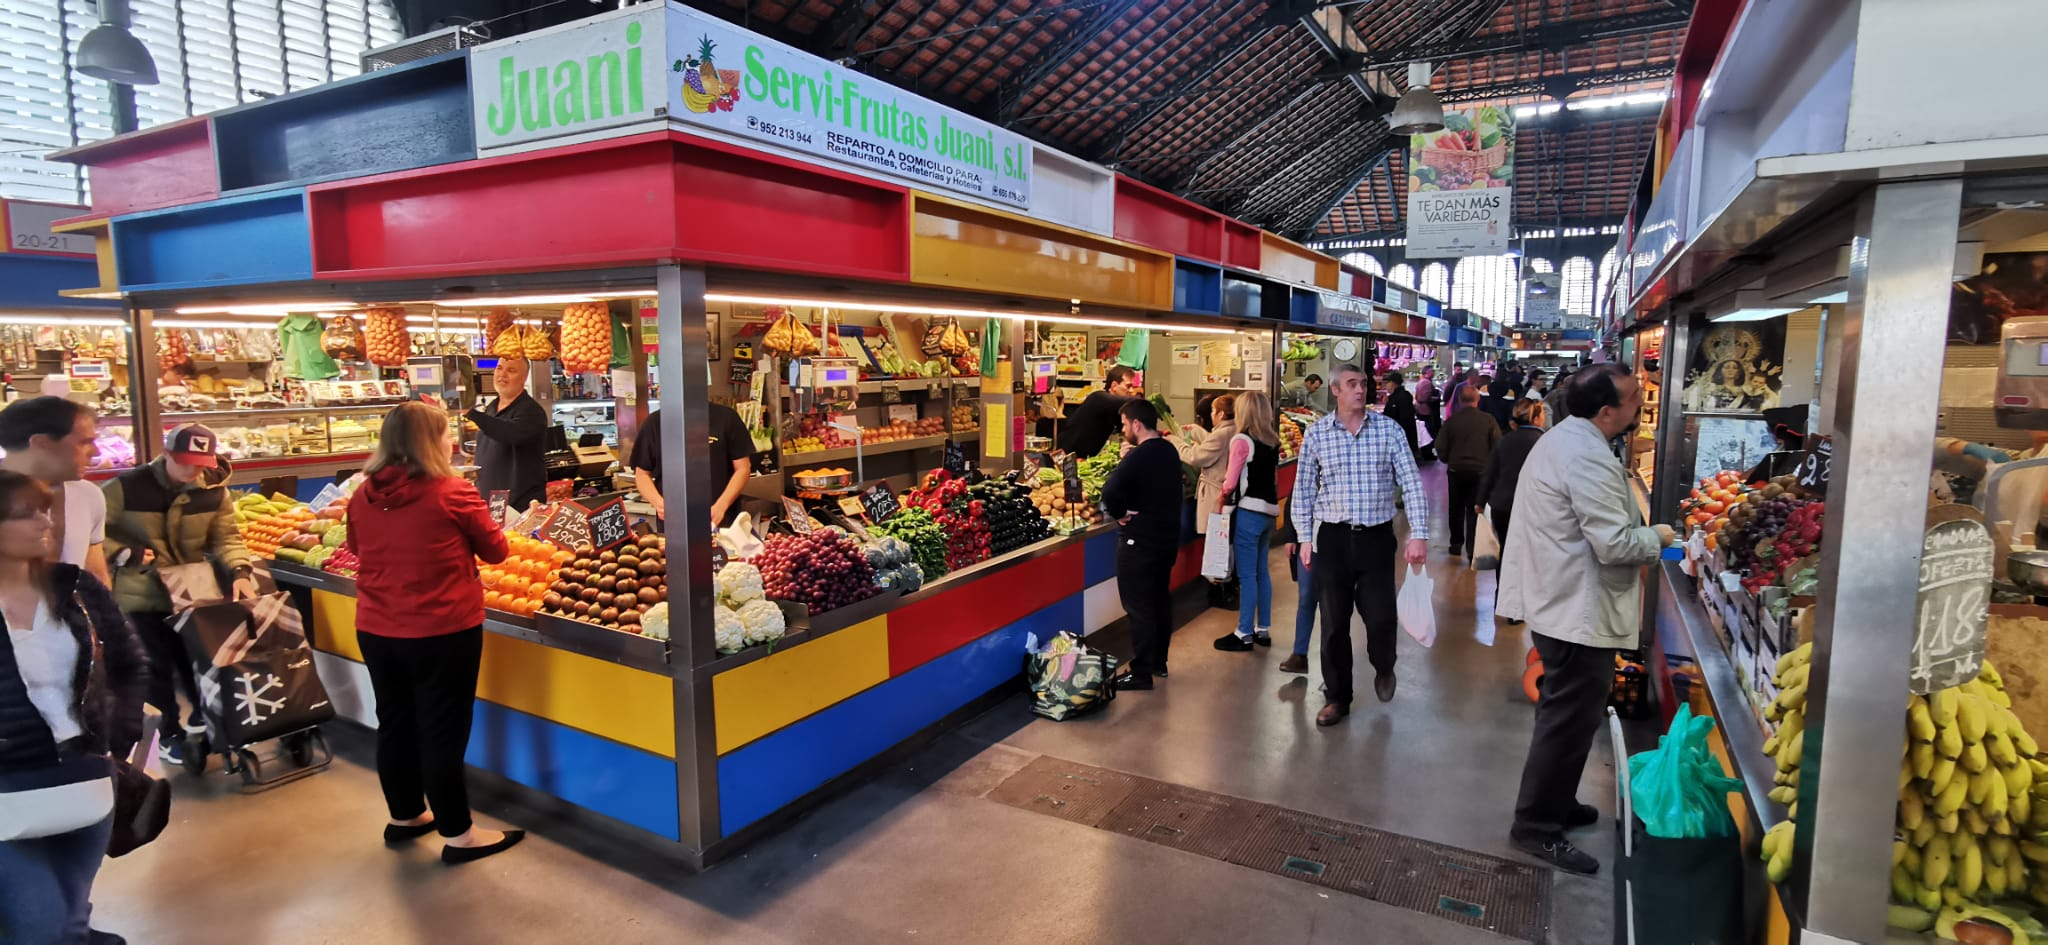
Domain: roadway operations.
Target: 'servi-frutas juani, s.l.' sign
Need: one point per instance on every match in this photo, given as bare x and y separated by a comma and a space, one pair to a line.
624, 68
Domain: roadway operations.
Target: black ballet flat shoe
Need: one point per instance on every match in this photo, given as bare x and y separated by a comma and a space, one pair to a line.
454, 855
395, 834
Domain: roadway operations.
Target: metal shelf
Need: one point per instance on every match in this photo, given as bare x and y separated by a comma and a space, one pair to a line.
900, 446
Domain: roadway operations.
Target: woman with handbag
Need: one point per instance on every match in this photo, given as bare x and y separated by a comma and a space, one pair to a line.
418, 529
72, 681
1208, 451
1251, 481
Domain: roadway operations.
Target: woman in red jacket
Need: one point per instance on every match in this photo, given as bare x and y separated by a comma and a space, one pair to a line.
418, 528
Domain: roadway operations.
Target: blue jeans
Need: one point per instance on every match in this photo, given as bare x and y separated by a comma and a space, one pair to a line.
1251, 535
46, 885
1304, 608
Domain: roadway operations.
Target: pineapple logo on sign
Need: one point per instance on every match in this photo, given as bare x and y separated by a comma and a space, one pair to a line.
705, 89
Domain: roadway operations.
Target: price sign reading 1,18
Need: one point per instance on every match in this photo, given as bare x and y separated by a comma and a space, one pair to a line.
568, 527
609, 527
1955, 590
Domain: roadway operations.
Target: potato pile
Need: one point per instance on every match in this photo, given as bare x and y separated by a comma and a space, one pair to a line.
586, 337
386, 342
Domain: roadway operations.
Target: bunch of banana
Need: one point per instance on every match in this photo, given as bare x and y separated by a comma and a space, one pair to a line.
1971, 795
1788, 710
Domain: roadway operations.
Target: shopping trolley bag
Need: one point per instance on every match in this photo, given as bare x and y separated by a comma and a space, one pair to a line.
255, 669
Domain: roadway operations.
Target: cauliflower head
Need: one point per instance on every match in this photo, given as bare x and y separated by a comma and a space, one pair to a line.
739, 583
728, 629
654, 623
763, 622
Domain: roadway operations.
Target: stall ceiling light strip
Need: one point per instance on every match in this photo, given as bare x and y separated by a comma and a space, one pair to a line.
60, 321
962, 313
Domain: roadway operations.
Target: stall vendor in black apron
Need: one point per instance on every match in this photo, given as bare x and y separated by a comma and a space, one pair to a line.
731, 456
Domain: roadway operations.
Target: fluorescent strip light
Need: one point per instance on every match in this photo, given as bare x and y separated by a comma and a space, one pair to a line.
512, 300
961, 313
276, 310
1753, 314
62, 321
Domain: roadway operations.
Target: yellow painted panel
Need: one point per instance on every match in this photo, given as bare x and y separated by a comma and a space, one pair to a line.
334, 624
964, 246
103, 251
591, 695
769, 693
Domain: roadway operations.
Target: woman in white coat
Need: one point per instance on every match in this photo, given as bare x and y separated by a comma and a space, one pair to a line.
1209, 452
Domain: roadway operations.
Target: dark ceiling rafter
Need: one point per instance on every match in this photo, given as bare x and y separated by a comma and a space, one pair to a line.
1112, 141
836, 39
1559, 35
1104, 15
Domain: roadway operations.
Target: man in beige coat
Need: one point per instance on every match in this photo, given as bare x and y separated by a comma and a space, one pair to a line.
1573, 571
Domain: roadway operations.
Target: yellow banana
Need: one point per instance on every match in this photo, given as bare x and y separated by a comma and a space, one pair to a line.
1918, 721
1996, 879
1789, 757
1974, 758
1950, 898
1938, 777
1943, 705
1803, 653
1935, 864
1999, 849
1949, 741
1973, 821
1773, 711
1951, 800
2001, 749
1970, 876
1988, 674
1912, 860
1795, 678
1922, 759
2021, 810
1924, 834
2015, 874
1971, 714
1780, 865
1771, 746
1981, 785
1899, 848
2019, 735
1784, 795
1905, 775
2018, 778
1929, 899
1791, 724
2033, 851
1903, 887
1997, 804
1912, 810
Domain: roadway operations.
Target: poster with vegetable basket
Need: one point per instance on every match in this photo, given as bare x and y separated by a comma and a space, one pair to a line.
1460, 185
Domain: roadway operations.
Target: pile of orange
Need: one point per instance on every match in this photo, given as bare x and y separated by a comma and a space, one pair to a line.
517, 584
1707, 507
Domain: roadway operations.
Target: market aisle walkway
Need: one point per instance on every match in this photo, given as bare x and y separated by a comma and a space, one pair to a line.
920, 854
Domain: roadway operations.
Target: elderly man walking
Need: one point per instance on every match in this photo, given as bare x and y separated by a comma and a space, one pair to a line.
1343, 510
1572, 570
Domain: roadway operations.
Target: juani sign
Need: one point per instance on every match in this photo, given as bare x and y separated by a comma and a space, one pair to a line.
646, 63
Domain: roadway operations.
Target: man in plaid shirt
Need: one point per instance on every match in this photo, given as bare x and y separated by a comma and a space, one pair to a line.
1343, 504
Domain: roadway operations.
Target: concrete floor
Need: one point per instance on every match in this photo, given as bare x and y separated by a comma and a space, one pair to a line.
918, 854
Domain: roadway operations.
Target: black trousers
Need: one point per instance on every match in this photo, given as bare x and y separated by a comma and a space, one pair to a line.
1144, 584
1464, 489
1576, 682
1500, 528
1355, 571
426, 692
170, 670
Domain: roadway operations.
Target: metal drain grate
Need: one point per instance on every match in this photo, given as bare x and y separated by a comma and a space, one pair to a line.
1469, 888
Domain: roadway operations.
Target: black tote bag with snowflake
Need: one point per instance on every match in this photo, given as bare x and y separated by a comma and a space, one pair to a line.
256, 675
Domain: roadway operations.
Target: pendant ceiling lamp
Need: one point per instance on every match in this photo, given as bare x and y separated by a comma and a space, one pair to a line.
1419, 111
112, 53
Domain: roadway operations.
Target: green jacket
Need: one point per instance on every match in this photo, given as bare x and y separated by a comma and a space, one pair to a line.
182, 525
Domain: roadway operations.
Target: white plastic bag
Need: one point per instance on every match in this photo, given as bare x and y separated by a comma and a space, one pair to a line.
1485, 544
1417, 605
1217, 551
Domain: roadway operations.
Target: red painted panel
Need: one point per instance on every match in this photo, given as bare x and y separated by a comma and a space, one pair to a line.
746, 208
1242, 246
627, 200
164, 166
1285, 478
940, 624
1188, 567
580, 205
1151, 217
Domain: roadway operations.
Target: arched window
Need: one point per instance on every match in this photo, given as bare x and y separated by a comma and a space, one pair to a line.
1364, 261
1436, 282
1490, 286
1603, 285
1539, 264
1576, 297
1404, 275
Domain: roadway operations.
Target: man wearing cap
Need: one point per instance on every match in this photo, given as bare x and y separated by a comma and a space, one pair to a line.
173, 511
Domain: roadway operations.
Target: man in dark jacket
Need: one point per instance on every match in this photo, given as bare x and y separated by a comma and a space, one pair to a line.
1143, 494
1089, 425
1400, 407
511, 439
1464, 446
1500, 399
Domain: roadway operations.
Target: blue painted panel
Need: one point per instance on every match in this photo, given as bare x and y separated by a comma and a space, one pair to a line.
1432, 307
401, 118
1305, 305
1577, 334
1464, 336
625, 784
1098, 559
1197, 287
774, 771
32, 282
1379, 289
235, 240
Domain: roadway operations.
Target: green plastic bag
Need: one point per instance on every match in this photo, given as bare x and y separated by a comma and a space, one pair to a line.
1137, 345
1678, 788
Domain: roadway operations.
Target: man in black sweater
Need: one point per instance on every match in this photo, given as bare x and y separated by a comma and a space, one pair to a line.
1144, 494
1465, 445
511, 440
1089, 426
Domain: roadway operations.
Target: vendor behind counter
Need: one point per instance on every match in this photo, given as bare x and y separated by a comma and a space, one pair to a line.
730, 455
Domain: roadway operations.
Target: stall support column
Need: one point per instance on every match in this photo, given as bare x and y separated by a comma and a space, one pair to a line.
1882, 400
629, 384
686, 488
144, 410
1674, 477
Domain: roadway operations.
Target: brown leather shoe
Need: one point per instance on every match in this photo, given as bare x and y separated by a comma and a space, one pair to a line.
1294, 663
1332, 714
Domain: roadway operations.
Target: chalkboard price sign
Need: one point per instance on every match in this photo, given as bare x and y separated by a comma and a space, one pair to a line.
498, 500
1955, 589
1818, 465
1070, 470
956, 458
568, 527
1029, 474
799, 518
608, 525
880, 503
